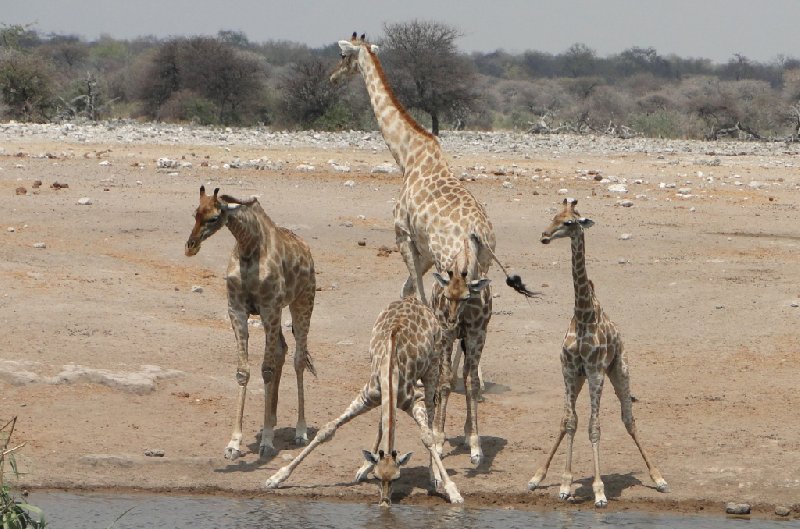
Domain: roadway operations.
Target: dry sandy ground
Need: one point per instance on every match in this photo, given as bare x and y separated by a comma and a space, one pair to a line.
703, 297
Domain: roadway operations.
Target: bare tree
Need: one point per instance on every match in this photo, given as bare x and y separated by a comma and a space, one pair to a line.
426, 71
308, 94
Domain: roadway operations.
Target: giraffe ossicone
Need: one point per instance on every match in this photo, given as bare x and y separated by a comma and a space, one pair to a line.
592, 349
269, 268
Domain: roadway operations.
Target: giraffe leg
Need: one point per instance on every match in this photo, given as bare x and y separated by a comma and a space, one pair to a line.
596, 380
367, 466
619, 377
421, 417
456, 363
475, 320
445, 386
413, 260
271, 369
301, 317
239, 323
430, 382
361, 404
569, 423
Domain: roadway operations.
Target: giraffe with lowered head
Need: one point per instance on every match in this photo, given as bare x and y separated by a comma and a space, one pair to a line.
591, 350
406, 346
434, 214
270, 268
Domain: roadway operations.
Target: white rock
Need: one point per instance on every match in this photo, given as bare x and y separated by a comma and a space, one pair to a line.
563, 191
385, 168
350, 183
625, 237
618, 188
104, 163
625, 203
198, 289
508, 185
11, 229
341, 168
166, 163
305, 168
85, 201
39, 245
685, 191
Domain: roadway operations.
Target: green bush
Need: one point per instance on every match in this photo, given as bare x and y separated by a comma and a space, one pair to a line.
14, 513
25, 86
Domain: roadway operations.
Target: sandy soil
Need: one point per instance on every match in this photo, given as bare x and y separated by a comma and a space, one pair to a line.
702, 291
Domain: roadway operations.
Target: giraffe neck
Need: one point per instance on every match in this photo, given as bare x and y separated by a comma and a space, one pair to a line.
252, 228
583, 289
402, 134
389, 398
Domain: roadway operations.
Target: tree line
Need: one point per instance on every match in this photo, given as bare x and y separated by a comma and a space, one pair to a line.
229, 80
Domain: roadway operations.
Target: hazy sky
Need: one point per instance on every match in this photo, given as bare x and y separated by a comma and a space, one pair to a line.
714, 29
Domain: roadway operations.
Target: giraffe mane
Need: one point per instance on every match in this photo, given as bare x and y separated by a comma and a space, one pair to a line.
404, 115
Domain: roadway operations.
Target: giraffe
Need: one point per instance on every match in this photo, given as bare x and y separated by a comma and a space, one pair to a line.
406, 346
591, 350
270, 267
434, 213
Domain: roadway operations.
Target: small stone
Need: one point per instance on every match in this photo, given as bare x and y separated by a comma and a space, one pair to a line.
105, 163
692, 209
350, 183
154, 453
618, 188
384, 168
685, 191
563, 191
780, 510
166, 163
11, 229
508, 185
39, 245
794, 304
198, 289
737, 508
58, 185
305, 168
362, 242
85, 201
625, 237
347, 224
36, 184
21, 191
625, 203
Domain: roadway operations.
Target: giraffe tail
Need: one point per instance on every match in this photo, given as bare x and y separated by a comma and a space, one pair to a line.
514, 281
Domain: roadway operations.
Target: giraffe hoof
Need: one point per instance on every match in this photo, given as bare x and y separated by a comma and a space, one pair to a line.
564, 496
476, 459
301, 440
601, 504
232, 454
266, 451
662, 486
533, 484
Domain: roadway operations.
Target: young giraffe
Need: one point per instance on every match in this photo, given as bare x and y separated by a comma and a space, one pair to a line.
406, 346
591, 350
270, 267
434, 213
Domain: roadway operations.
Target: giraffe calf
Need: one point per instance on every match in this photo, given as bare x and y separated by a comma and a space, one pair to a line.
406, 346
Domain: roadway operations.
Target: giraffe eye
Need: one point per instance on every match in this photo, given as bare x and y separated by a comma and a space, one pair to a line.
213, 219
569, 222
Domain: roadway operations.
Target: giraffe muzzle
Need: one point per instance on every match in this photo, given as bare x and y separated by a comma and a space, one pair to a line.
192, 247
545, 239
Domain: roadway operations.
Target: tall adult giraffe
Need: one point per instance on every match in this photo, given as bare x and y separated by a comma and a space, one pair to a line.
591, 350
433, 217
270, 268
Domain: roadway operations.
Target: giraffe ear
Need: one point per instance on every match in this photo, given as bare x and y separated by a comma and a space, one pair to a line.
441, 280
374, 48
403, 459
347, 47
586, 223
370, 457
477, 285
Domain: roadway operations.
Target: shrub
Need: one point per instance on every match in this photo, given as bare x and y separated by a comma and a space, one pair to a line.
25, 86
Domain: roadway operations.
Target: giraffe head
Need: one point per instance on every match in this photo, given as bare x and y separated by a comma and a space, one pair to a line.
209, 217
460, 284
349, 51
567, 223
387, 470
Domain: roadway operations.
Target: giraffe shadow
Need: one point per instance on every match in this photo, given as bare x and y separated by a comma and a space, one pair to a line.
614, 485
491, 388
284, 440
490, 445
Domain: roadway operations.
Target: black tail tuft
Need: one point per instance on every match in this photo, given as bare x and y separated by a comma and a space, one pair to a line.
515, 282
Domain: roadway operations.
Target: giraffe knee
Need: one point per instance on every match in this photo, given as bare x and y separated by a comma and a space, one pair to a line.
267, 373
427, 438
242, 376
594, 434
